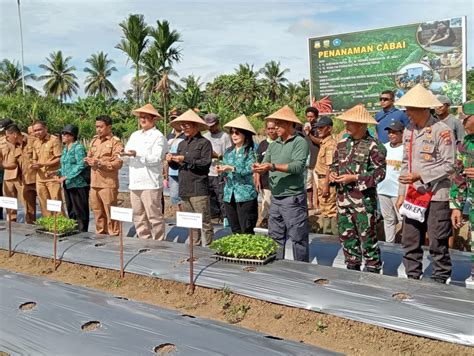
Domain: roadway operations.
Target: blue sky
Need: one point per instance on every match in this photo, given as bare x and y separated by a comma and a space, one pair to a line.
217, 35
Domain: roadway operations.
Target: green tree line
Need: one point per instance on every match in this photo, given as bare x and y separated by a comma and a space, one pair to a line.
152, 52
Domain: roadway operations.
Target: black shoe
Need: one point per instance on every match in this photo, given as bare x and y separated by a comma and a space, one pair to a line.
413, 277
439, 280
354, 267
372, 270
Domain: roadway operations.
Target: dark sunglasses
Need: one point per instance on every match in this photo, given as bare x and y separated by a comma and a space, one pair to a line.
384, 99
237, 132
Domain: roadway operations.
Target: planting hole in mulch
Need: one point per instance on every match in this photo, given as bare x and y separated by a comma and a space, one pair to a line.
273, 337
143, 250
121, 298
91, 325
187, 260
27, 306
166, 348
321, 281
99, 244
188, 316
250, 269
401, 296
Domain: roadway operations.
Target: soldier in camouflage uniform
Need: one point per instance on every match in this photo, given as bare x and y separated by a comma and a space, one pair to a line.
462, 188
358, 166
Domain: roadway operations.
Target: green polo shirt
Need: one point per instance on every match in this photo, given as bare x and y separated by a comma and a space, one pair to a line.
294, 152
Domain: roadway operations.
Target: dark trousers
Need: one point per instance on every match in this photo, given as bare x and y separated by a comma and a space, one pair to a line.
77, 201
216, 193
242, 216
288, 219
438, 225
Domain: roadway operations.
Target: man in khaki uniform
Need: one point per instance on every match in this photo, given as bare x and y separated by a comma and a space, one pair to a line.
46, 157
3, 143
428, 163
12, 182
29, 177
326, 193
103, 157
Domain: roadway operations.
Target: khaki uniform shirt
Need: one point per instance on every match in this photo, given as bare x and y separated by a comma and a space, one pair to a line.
29, 175
46, 150
11, 156
325, 155
106, 150
433, 153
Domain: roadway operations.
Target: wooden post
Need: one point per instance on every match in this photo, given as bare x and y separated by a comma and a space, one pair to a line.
10, 254
122, 272
55, 239
191, 260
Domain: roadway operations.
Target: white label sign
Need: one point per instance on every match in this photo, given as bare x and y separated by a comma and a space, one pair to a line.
9, 203
54, 205
121, 214
191, 220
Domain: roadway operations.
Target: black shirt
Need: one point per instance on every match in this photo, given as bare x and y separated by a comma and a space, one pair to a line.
193, 180
262, 148
313, 148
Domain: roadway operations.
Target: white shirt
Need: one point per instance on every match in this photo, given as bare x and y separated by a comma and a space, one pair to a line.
220, 143
146, 168
389, 186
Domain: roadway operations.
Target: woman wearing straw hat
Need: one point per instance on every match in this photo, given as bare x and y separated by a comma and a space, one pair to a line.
358, 166
193, 160
286, 160
428, 163
240, 196
145, 152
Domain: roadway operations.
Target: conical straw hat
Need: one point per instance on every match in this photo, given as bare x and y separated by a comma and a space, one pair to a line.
147, 109
189, 116
419, 97
357, 114
285, 114
241, 123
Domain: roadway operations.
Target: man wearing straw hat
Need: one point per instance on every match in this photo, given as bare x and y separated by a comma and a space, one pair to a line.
358, 166
286, 160
428, 162
193, 160
145, 152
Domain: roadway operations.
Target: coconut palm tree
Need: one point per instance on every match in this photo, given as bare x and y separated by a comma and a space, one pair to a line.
166, 53
97, 82
274, 79
191, 95
134, 42
246, 71
60, 79
10, 78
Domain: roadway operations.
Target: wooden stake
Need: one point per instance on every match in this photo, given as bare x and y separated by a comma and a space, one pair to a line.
191, 260
10, 254
55, 239
122, 272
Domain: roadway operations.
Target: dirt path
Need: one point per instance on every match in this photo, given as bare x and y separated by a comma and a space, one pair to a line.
322, 330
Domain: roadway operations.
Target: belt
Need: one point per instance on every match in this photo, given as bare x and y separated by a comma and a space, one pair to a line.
321, 176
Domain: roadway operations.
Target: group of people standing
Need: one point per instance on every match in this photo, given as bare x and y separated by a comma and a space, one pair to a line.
357, 177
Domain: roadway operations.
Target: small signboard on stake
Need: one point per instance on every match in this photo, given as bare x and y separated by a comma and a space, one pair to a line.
121, 214
190, 220
9, 203
54, 205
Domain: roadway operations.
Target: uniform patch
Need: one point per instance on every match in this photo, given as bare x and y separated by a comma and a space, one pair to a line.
427, 157
447, 141
445, 134
428, 129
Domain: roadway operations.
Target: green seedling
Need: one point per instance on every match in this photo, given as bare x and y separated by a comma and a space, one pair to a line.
245, 246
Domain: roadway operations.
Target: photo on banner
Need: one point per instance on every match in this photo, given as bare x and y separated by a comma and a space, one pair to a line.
352, 68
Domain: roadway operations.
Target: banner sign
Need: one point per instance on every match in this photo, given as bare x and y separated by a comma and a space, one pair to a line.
352, 68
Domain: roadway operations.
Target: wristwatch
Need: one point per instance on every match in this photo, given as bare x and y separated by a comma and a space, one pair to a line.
273, 169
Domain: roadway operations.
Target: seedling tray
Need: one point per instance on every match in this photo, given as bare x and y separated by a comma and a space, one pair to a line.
246, 261
42, 232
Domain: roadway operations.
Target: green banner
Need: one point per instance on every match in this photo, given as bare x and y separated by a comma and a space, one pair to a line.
352, 68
